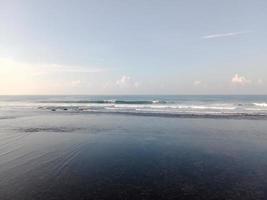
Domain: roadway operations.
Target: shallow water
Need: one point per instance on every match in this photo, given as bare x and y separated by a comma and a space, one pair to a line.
65, 155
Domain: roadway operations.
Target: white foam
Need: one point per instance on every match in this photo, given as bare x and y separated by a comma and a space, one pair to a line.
110, 101
256, 109
179, 107
200, 107
260, 104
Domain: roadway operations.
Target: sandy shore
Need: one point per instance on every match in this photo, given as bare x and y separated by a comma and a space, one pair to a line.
72, 156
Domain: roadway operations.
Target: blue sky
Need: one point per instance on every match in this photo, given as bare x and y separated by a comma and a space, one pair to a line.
133, 47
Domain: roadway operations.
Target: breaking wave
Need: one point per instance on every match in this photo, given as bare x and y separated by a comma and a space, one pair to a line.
111, 101
171, 106
165, 113
260, 104
177, 111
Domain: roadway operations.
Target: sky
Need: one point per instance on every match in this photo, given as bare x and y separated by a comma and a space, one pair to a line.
133, 47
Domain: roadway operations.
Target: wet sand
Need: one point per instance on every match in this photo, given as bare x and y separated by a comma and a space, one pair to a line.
92, 156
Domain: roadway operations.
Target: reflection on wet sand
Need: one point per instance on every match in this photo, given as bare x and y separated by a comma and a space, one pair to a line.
126, 157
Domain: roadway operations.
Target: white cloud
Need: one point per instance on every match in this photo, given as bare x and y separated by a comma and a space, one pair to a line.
127, 82
221, 35
240, 80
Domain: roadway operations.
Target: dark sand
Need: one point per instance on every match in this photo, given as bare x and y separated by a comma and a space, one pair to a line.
85, 156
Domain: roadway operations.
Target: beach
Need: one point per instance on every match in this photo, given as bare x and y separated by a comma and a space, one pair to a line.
65, 154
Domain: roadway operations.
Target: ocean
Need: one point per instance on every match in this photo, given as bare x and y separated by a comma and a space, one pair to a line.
166, 106
133, 147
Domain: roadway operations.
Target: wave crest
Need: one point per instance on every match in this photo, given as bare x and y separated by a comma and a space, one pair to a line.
260, 104
110, 101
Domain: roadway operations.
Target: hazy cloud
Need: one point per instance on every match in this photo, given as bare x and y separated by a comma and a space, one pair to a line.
75, 83
221, 35
127, 82
259, 81
37, 69
74, 69
197, 83
29, 78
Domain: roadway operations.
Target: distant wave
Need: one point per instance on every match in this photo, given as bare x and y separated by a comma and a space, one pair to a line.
7, 117
201, 107
160, 112
111, 101
175, 106
50, 129
153, 104
260, 104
